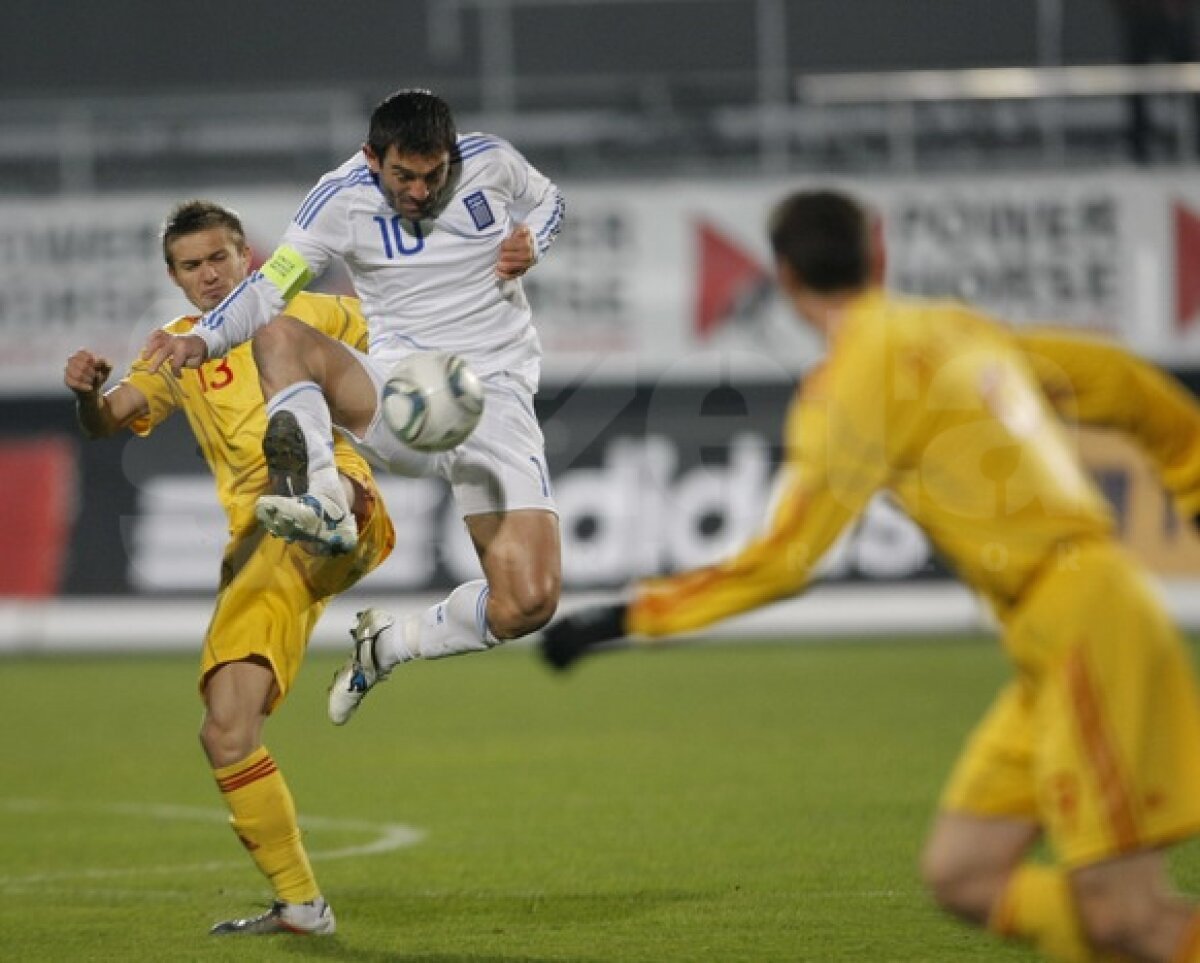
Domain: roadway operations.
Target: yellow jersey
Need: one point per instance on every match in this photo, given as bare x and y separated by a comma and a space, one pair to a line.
225, 408
944, 409
1095, 382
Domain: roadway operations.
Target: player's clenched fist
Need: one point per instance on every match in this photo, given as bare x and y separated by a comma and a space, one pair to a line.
85, 372
177, 351
517, 254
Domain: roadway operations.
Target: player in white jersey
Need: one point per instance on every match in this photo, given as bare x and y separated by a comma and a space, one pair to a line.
436, 231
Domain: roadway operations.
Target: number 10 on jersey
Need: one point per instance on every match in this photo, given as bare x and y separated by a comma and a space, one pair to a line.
395, 241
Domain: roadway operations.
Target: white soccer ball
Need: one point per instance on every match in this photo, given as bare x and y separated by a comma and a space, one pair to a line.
432, 401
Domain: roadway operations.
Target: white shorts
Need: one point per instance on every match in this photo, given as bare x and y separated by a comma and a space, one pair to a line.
501, 467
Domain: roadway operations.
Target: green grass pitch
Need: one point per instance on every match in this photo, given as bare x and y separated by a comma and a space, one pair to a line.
750, 802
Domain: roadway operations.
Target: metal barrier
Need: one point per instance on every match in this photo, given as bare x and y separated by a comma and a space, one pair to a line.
904, 93
859, 121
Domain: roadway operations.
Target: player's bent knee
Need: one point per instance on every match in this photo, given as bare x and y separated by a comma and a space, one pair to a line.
224, 745
277, 344
520, 614
514, 623
279, 332
942, 885
939, 874
961, 889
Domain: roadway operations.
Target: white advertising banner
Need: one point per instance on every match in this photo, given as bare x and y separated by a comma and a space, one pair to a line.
661, 279
72, 272
687, 270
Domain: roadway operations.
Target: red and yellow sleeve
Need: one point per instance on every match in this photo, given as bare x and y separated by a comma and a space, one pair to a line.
1095, 382
775, 565
836, 440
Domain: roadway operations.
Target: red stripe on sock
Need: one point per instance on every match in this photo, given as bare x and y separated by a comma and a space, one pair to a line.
262, 768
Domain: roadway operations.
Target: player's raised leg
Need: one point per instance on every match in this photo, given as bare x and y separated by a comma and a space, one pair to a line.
310, 381
520, 555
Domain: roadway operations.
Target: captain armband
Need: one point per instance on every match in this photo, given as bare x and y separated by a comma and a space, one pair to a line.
288, 271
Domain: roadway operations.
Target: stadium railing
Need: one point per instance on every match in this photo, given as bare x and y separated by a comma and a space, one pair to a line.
596, 125
905, 93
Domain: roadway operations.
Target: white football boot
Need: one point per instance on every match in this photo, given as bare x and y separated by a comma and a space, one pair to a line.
314, 519
355, 679
315, 919
293, 512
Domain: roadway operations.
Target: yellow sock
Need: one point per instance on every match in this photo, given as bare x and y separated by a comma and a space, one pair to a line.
263, 815
1188, 951
1037, 907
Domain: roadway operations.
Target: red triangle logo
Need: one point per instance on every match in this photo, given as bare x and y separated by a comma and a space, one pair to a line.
1187, 268
728, 275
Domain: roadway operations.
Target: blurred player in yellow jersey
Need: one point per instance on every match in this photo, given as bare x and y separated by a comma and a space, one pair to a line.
1095, 744
271, 592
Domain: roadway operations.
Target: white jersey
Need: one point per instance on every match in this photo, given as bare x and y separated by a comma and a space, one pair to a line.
427, 285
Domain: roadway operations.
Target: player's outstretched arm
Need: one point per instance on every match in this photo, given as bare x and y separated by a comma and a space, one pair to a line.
566, 640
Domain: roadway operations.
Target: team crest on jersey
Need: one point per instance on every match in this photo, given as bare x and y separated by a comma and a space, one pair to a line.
481, 213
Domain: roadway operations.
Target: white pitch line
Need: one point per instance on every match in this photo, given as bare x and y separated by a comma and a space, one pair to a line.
388, 837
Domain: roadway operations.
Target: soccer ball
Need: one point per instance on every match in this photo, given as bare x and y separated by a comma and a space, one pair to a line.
432, 401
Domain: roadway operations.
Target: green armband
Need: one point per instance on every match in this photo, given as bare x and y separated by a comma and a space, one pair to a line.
288, 271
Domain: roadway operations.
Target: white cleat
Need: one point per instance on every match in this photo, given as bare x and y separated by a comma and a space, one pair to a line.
315, 519
311, 919
354, 680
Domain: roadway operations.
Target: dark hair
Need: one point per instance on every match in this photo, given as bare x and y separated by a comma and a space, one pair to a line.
824, 237
191, 217
414, 122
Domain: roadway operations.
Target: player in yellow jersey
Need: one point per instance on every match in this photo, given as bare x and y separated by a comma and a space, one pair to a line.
271, 592
1095, 744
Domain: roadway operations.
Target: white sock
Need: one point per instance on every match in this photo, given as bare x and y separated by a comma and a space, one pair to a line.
306, 402
455, 625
